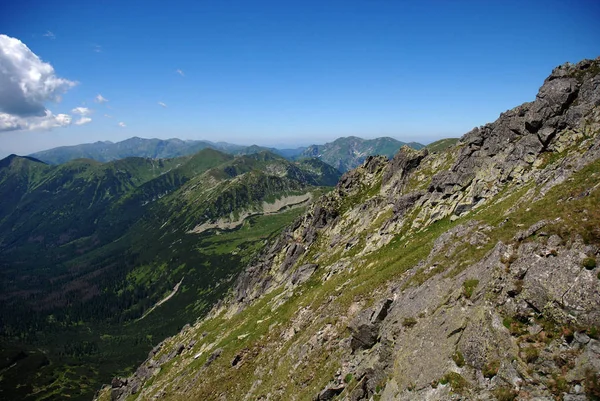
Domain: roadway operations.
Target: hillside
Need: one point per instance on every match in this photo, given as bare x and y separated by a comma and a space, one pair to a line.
441, 144
470, 273
349, 152
98, 261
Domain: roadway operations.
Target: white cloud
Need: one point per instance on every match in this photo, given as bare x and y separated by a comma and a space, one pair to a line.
162, 104
26, 82
100, 99
107, 116
50, 35
51, 121
180, 72
122, 124
82, 111
98, 48
26, 85
10, 122
83, 120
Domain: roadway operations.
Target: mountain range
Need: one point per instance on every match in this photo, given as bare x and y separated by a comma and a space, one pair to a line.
467, 273
151, 148
343, 153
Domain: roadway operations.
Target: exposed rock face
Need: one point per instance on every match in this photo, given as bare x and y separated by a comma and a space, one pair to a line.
458, 275
402, 164
365, 327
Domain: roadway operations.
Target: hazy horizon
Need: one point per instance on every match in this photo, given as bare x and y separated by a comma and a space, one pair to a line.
276, 146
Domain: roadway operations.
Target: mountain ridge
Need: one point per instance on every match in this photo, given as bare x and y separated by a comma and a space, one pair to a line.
169, 148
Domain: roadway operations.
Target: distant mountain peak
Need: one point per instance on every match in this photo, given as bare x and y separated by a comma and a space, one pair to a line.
349, 152
12, 157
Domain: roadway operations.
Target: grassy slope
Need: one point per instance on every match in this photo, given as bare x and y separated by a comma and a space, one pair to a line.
442, 144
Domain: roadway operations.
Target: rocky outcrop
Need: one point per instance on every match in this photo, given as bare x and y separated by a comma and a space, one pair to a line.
365, 327
276, 264
499, 335
403, 163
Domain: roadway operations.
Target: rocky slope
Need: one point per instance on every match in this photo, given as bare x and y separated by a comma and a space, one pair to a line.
464, 274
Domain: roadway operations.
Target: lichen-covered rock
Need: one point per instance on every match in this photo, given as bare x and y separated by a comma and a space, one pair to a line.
365, 327
302, 273
405, 161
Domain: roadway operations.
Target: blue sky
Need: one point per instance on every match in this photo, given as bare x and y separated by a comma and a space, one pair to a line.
287, 73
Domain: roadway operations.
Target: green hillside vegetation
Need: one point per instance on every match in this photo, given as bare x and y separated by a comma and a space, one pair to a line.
442, 144
87, 249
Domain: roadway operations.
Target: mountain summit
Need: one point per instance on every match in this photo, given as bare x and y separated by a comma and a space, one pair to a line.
470, 273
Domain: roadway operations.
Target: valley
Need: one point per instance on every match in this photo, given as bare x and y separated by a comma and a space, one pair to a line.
100, 261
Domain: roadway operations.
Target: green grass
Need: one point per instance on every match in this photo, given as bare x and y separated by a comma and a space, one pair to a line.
592, 384
458, 383
469, 287
442, 144
458, 359
491, 368
530, 354
589, 263
558, 385
504, 394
